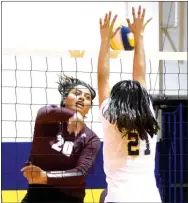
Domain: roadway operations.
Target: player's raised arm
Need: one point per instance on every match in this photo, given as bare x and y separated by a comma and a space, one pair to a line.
137, 28
107, 33
52, 113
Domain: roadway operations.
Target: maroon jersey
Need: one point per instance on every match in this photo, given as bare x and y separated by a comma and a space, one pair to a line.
66, 158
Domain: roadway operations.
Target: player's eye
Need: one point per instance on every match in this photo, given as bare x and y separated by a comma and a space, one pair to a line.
88, 97
77, 93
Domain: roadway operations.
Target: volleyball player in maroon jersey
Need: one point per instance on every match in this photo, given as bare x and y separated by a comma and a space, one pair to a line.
63, 148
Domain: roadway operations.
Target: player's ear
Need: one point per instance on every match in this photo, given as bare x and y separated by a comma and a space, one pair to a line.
91, 104
65, 102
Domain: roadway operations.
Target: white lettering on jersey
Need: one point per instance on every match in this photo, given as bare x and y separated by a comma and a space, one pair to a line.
63, 147
67, 148
58, 146
83, 135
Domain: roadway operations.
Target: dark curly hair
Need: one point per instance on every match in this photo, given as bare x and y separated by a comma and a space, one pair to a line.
66, 84
129, 109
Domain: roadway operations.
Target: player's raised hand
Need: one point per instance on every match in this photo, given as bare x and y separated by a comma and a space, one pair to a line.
106, 27
76, 124
139, 24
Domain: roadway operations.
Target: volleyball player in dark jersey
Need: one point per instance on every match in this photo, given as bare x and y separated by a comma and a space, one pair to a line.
63, 149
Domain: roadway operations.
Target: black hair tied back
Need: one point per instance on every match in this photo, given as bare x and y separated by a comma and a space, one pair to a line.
66, 84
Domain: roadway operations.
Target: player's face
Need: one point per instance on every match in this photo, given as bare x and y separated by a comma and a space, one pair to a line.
79, 99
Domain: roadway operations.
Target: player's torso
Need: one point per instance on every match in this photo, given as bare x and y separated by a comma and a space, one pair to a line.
54, 149
128, 156
129, 167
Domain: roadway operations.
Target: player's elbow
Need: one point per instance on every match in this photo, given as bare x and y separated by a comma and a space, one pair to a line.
42, 112
83, 171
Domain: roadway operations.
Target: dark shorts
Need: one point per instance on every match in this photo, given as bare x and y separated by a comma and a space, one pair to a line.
103, 195
46, 194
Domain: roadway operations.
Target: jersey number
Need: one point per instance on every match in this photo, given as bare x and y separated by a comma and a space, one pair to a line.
65, 148
135, 144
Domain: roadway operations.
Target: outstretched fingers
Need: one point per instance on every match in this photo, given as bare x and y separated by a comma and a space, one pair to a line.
139, 12
100, 22
128, 22
133, 13
140, 16
147, 22
117, 29
103, 23
113, 21
143, 14
107, 20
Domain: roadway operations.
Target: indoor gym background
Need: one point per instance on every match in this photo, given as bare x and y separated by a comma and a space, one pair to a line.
36, 40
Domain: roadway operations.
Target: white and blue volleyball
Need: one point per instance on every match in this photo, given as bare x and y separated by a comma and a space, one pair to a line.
123, 40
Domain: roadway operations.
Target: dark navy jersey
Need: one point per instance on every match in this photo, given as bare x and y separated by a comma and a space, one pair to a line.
66, 159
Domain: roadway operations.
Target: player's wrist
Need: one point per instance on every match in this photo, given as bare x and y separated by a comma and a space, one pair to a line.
44, 177
105, 42
138, 36
54, 174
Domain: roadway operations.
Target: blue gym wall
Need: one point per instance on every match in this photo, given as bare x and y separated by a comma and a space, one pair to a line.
169, 162
16, 153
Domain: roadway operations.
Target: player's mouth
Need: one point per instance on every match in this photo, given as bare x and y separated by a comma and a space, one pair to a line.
79, 104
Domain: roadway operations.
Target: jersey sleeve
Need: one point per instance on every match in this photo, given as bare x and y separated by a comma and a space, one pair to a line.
53, 114
47, 114
85, 162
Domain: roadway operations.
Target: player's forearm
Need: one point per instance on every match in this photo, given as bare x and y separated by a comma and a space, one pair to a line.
64, 174
103, 71
78, 173
104, 60
53, 114
66, 178
139, 64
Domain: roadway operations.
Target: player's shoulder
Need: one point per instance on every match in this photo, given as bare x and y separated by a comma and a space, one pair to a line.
104, 105
105, 102
90, 135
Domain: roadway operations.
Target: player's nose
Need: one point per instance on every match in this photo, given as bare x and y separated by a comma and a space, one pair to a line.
81, 98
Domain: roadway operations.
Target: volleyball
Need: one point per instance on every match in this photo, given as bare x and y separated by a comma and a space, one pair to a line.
124, 39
